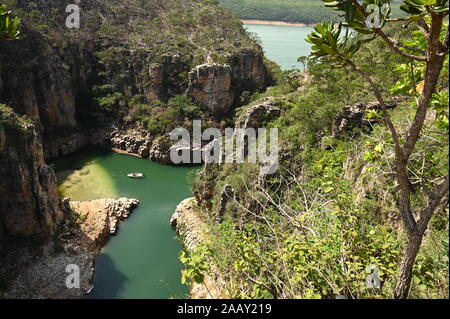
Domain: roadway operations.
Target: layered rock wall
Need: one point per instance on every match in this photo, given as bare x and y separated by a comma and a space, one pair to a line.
29, 200
193, 231
217, 86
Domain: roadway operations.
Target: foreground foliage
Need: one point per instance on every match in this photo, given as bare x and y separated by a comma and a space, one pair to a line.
328, 221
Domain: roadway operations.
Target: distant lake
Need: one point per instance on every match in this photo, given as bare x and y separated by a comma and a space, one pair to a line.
283, 44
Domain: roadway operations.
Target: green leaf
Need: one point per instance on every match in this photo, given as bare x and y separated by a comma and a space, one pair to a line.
328, 189
349, 10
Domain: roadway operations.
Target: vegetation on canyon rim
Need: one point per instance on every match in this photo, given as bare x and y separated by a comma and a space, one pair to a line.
127, 37
302, 11
340, 205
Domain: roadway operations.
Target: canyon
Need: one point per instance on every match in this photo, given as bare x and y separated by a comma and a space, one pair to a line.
49, 84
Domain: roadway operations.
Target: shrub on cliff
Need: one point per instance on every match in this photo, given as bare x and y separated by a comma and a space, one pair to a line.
318, 227
10, 28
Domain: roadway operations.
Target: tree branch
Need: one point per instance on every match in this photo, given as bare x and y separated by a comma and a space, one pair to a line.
387, 118
434, 200
397, 47
424, 28
404, 202
393, 44
433, 69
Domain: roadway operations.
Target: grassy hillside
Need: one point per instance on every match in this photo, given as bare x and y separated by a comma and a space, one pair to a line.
158, 27
304, 11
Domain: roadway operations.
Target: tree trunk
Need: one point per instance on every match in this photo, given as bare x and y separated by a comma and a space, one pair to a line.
406, 267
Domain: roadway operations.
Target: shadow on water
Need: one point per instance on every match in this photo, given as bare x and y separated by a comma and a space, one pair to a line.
77, 161
110, 282
141, 261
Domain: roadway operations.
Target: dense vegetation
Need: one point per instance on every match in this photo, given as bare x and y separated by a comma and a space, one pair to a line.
121, 40
157, 26
303, 11
329, 217
9, 27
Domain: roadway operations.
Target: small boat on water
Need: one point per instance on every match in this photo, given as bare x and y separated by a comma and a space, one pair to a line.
136, 175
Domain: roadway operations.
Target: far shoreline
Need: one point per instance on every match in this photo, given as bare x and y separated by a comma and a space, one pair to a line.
282, 23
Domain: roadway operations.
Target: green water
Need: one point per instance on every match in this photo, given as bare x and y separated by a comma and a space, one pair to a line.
141, 261
283, 44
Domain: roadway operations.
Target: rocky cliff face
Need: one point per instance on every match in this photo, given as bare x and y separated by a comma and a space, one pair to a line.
47, 76
256, 116
217, 86
56, 76
211, 86
193, 231
28, 195
66, 71
354, 117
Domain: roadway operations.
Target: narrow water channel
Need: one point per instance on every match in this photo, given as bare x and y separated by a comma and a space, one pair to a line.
141, 261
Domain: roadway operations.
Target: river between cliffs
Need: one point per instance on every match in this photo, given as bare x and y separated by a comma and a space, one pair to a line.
141, 261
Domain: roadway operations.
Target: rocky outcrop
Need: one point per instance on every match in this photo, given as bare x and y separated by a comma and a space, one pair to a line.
256, 116
43, 91
192, 230
217, 86
210, 85
29, 200
135, 141
160, 150
65, 145
164, 81
226, 195
100, 219
139, 142
42, 272
354, 116
188, 224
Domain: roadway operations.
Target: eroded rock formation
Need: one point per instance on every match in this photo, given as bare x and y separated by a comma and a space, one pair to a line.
258, 115
101, 219
29, 200
193, 231
217, 86
42, 271
210, 85
354, 116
